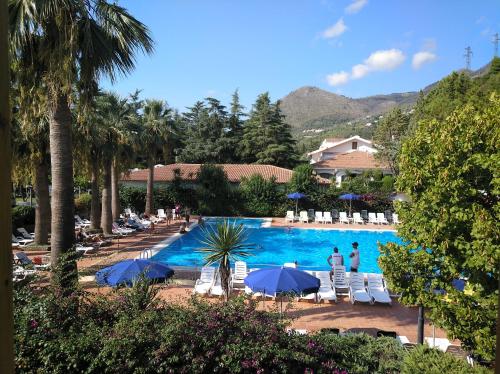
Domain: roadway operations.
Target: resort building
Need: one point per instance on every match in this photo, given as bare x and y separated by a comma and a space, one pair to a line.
165, 174
336, 157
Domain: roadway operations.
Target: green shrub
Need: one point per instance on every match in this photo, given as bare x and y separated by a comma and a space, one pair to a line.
82, 204
132, 331
261, 198
133, 197
23, 216
387, 184
213, 191
425, 360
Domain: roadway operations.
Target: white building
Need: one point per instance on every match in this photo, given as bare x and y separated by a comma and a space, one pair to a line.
336, 156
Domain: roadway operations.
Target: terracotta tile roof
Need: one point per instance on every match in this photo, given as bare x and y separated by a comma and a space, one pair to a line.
235, 172
351, 160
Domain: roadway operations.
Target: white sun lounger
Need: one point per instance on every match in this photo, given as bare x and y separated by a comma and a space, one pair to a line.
343, 217
381, 219
21, 241
356, 218
327, 217
205, 282
239, 274
339, 278
395, 219
303, 217
357, 289
290, 216
318, 217
216, 289
309, 296
377, 290
290, 265
372, 218
25, 234
326, 291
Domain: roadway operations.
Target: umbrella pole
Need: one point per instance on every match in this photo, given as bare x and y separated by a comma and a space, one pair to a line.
296, 206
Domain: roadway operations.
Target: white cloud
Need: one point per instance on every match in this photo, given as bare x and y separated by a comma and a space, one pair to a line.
388, 59
355, 6
383, 60
422, 58
337, 79
333, 31
359, 71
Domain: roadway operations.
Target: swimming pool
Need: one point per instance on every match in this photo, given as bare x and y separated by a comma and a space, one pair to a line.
275, 246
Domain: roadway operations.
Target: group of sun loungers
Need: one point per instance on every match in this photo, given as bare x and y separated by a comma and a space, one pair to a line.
354, 286
341, 217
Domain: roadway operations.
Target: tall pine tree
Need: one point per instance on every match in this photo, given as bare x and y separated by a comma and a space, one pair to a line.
267, 137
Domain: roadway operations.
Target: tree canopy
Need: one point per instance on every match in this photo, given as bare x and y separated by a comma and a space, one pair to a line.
450, 169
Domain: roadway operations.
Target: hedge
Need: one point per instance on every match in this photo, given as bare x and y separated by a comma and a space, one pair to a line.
23, 216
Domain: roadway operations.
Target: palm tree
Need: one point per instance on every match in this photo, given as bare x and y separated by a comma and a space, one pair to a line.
225, 243
6, 315
80, 41
157, 125
113, 119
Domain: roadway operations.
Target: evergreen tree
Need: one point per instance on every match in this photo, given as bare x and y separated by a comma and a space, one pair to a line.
267, 137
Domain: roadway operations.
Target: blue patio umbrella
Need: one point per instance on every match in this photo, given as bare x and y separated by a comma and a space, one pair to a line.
350, 197
126, 272
283, 280
296, 196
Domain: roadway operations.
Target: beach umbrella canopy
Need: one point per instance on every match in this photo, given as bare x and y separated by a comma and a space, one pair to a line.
350, 197
283, 280
296, 196
125, 272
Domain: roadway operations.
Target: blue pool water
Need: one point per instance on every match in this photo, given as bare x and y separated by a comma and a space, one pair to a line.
275, 246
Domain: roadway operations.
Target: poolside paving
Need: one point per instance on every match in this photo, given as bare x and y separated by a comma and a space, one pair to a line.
305, 315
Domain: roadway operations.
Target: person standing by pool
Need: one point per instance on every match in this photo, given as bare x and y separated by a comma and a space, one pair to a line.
335, 259
354, 257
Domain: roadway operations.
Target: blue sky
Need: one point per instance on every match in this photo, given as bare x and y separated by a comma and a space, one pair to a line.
351, 47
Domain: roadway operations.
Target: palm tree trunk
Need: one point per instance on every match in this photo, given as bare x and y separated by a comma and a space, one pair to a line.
106, 213
115, 191
6, 315
42, 211
149, 187
95, 207
61, 160
224, 272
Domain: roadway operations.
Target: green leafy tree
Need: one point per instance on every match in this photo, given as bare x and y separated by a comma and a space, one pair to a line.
303, 180
79, 41
449, 168
225, 243
388, 138
261, 197
213, 190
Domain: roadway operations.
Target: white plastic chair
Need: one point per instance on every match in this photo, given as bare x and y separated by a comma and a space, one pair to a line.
327, 217
161, 214
318, 217
357, 289
395, 219
377, 290
239, 274
343, 217
290, 216
216, 289
372, 218
356, 218
303, 217
326, 290
381, 219
206, 280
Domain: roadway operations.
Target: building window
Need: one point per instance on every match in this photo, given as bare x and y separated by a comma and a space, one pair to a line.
354, 145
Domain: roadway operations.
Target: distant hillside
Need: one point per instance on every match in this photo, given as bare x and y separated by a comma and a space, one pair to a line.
314, 108
311, 107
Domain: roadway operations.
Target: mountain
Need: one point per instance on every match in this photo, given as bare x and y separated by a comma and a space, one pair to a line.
313, 108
